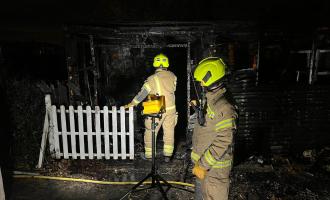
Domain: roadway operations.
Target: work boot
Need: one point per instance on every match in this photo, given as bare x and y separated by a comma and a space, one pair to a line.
167, 159
143, 156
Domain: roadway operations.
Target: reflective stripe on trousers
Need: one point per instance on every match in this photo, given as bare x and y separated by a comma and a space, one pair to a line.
168, 150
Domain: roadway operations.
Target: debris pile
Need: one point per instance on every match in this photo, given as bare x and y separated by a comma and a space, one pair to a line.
282, 178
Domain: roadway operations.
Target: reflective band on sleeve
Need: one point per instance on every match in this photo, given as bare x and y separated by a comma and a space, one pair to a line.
136, 101
194, 156
227, 123
170, 108
214, 163
209, 158
142, 95
222, 164
159, 92
147, 87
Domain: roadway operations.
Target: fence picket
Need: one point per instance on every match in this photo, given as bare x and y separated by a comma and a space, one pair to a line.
72, 132
131, 133
64, 133
123, 132
106, 132
114, 133
89, 132
81, 133
98, 132
56, 134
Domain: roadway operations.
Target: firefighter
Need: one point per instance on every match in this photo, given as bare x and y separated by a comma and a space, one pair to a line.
162, 82
212, 141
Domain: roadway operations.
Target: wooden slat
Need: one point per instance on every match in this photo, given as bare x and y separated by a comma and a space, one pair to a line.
2, 190
43, 141
64, 133
98, 132
131, 133
56, 135
123, 132
72, 132
106, 132
50, 125
114, 133
89, 132
81, 133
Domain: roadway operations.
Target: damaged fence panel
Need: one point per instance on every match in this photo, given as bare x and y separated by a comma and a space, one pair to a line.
96, 135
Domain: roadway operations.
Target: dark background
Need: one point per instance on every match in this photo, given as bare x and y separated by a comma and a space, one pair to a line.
284, 116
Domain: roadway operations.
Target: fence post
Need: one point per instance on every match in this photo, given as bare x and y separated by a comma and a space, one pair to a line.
2, 191
45, 131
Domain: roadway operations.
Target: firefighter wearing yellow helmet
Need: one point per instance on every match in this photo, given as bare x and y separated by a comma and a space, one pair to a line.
212, 151
162, 82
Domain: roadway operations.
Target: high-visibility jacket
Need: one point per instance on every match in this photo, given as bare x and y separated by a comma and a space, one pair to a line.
162, 82
212, 143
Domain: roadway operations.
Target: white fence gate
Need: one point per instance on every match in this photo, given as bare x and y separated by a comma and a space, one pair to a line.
86, 133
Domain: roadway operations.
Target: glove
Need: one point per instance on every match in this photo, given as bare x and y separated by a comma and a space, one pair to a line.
193, 103
128, 105
199, 172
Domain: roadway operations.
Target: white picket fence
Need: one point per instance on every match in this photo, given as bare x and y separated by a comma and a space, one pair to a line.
86, 133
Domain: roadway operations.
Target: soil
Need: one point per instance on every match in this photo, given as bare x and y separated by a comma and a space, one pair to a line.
280, 179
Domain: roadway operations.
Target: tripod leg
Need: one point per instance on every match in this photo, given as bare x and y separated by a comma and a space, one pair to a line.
161, 189
164, 181
169, 186
136, 186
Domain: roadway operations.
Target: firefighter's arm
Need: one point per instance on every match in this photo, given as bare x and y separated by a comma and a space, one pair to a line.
145, 90
221, 144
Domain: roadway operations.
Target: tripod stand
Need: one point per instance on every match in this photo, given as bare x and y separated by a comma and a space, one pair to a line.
156, 179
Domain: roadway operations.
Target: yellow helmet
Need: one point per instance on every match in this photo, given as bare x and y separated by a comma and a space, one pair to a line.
210, 70
161, 60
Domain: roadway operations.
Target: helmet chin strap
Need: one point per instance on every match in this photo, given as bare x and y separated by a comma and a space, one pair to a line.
215, 86
162, 68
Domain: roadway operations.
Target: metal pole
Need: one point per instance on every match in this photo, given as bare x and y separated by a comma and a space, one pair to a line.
188, 84
153, 142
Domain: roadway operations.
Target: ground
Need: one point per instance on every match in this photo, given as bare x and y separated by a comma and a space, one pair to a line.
281, 179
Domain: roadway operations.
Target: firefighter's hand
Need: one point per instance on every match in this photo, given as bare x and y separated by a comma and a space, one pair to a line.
193, 103
199, 172
128, 105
